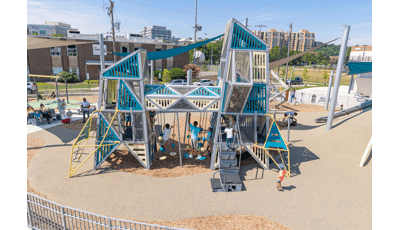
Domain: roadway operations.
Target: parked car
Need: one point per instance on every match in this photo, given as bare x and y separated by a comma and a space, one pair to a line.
177, 82
31, 87
203, 82
296, 81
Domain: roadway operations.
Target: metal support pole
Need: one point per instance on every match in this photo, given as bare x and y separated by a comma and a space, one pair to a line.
66, 90
37, 91
274, 116
56, 87
288, 128
189, 77
255, 127
366, 153
152, 72
102, 67
351, 84
288, 50
342, 56
184, 132
328, 95
179, 139
267, 87
246, 22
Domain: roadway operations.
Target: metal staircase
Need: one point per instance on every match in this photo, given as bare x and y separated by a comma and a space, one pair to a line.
229, 165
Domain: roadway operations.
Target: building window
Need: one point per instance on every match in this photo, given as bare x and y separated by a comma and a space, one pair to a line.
158, 49
57, 70
74, 70
72, 50
135, 48
55, 51
124, 49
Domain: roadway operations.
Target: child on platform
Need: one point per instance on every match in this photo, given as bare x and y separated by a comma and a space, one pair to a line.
229, 135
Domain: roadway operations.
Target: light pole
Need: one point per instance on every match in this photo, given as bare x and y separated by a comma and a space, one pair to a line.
260, 29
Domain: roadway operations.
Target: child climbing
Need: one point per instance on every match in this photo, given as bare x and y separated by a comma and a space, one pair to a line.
194, 138
167, 132
229, 135
152, 115
281, 176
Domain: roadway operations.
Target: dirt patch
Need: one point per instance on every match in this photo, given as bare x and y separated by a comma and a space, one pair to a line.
286, 106
227, 222
33, 145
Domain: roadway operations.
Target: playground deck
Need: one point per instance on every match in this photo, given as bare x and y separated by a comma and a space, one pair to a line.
327, 190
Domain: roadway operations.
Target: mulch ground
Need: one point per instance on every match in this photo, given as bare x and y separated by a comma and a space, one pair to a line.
33, 145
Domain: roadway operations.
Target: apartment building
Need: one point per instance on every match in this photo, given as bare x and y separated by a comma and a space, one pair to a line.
361, 53
299, 41
84, 60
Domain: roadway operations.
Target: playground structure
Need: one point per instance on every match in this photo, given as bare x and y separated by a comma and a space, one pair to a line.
127, 96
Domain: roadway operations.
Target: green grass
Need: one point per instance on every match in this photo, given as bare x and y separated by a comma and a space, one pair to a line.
44, 85
314, 77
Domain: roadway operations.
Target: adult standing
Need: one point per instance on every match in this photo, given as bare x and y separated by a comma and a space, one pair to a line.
85, 109
293, 94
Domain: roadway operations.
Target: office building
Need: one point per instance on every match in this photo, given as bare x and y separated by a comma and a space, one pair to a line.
157, 32
49, 28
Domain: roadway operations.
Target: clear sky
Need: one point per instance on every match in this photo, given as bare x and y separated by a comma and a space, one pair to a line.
322, 17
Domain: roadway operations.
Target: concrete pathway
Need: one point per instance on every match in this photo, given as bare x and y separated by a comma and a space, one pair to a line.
328, 189
34, 128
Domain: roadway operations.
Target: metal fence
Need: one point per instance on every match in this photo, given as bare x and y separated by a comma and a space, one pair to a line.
44, 214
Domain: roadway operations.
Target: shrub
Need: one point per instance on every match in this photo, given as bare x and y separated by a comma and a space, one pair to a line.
69, 76
166, 76
176, 73
195, 69
156, 73
91, 81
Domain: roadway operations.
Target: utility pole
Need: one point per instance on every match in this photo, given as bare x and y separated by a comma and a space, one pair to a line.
195, 30
288, 50
260, 30
280, 52
111, 14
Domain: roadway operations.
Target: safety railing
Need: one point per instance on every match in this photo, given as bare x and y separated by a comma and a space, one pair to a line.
261, 154
45, 214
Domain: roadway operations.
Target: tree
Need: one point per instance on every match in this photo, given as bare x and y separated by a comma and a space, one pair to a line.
283, 72
156, 73
195, 69
165, 76
326, 75
35, 33
69, 76
177, 73
305, 74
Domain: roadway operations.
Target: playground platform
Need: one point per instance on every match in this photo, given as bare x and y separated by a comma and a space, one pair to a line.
327, 190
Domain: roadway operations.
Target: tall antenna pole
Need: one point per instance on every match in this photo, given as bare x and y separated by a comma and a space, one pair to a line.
288, 50
112, 27
260, 29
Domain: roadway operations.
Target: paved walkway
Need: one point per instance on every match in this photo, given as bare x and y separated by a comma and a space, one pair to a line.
328, 190
34, 128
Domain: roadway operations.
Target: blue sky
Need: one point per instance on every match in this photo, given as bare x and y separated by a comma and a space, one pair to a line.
322, 17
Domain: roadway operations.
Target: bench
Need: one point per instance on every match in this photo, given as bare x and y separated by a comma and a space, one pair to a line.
31, 117
323, 99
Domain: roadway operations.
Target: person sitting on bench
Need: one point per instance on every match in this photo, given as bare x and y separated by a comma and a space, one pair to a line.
45, 113
38, 116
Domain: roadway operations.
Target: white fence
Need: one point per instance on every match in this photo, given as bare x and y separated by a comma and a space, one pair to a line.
320, 99
44, 214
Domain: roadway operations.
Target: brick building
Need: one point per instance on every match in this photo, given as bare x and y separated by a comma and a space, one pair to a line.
84, 59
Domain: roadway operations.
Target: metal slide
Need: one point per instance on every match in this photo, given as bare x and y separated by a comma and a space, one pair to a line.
359, 107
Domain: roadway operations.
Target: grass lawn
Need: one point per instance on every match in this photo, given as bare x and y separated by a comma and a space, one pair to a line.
52, 85
316, 76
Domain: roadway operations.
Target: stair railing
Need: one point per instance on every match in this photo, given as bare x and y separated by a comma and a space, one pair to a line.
240, 142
